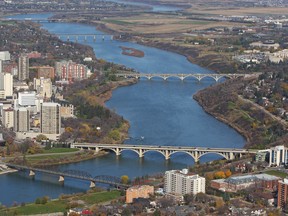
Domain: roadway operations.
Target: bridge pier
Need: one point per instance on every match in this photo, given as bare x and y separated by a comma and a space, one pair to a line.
92, 184
61, 179
85, 38
76, 38
31, 173
94, 38
141, 155
68, 38
231, 156
167, 156
118, 153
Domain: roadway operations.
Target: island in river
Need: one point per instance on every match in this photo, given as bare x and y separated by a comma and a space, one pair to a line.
132, 52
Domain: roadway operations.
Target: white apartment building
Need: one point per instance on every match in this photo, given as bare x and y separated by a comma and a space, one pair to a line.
43, 87
50, 119
8, 118
182, 182
4, 55
21, 119
278, 155
6, 85
26, 98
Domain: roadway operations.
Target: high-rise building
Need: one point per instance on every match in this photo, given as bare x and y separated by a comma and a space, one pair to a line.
4, 55
21, 119
8, 118
26, 98
282, 193
23, 67
43, 87
182, 182
6, 85
69, 70
278, 155
50, 118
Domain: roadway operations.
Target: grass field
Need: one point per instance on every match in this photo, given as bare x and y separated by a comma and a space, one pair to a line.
277, 173
60, 150
61, 205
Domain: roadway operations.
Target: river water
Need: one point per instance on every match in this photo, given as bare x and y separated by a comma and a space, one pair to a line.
163, 112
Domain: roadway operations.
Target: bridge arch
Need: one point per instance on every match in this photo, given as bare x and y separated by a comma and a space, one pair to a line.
153, 150
218, 153
134, 150
109, 149
195, 159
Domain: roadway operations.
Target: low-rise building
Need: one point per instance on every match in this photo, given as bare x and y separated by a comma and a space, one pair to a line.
235, 183
142, 191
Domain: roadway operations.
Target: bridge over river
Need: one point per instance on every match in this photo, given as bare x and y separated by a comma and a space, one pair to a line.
167, 151
197, 76
76, 174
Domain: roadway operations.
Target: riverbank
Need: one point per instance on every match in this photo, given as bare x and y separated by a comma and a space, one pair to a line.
255, 124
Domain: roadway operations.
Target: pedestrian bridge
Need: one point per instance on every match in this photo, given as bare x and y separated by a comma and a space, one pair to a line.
197, 76
167, 151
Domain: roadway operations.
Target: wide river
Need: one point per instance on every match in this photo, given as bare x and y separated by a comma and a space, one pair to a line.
163, 112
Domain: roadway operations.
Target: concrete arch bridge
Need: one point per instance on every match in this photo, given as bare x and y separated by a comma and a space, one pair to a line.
182, 77
167, 151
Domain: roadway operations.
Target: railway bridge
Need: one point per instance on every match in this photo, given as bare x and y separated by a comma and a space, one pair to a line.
76, 174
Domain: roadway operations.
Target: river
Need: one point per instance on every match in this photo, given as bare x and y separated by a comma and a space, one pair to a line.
163, 112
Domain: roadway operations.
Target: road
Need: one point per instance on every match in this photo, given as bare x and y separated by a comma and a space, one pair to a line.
276, 118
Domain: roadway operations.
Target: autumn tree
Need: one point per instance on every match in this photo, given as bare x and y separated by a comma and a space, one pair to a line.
219, 175
124, 179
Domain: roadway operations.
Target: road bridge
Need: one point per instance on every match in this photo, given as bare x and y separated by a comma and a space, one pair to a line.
197, 76
167, 151
76, 174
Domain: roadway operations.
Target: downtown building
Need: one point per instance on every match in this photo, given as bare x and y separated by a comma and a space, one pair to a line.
282, 193
50, 118
21, 119
70, 71
43, 87
6, 85
182, 182
23, 67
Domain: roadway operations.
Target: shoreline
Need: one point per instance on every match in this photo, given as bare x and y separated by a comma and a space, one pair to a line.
8, 171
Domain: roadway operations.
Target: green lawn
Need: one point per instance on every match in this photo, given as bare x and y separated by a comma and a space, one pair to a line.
276, 173
60, 150
60, 205
30, 209
99, 197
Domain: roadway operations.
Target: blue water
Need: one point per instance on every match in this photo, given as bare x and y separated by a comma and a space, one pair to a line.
163, 112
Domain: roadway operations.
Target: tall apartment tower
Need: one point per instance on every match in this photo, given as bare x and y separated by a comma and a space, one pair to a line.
282, 193
23, 67
21, 119
182, 182
8, 118
6, 85
50, 118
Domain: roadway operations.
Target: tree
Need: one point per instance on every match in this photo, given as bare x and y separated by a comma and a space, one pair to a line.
219, 175
228, 173
124, 179
40, 137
